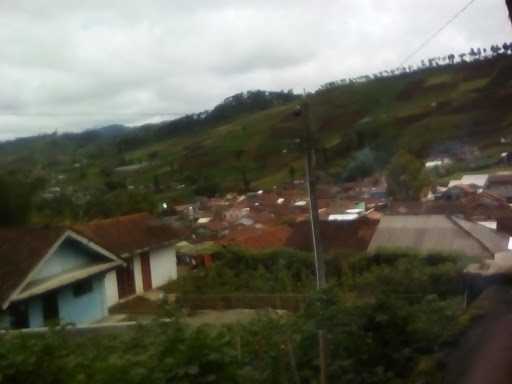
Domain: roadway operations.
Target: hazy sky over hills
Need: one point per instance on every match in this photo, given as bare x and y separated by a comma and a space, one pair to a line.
70, 65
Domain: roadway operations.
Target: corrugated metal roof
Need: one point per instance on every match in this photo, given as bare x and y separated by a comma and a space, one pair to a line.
480, 180
438, 233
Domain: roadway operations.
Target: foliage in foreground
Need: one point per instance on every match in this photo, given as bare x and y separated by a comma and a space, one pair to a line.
240, 271
388, 321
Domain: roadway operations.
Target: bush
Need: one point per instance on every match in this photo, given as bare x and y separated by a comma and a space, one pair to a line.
160, 353
362, 164
241, 271
387, 321
406, 177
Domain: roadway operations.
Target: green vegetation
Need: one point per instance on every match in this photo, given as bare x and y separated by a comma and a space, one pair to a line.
16, 200
239, 271
406, 177
249, 140
388, 318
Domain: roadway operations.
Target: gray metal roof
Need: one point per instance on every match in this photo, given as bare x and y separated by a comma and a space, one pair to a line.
427, 233
480, 180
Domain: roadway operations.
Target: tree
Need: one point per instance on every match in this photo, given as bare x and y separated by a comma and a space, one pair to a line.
509, 6
156, 184
362, 164
16, 201
292, 173
473, 53
406, 177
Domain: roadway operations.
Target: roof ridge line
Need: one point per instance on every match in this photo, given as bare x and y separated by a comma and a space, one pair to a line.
453, 220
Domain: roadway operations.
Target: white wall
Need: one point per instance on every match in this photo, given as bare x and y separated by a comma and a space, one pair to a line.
137, 272
163, 266
111, 289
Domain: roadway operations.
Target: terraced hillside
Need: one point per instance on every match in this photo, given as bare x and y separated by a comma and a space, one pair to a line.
423, 112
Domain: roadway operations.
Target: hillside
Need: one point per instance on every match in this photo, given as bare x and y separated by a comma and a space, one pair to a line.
360, 125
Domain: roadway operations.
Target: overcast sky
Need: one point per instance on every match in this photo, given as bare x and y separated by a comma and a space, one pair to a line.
70, 65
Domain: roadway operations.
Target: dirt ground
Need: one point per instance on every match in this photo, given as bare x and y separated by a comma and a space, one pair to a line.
227, 317
146, 308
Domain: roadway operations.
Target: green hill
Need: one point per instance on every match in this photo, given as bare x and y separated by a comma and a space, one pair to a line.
251, 141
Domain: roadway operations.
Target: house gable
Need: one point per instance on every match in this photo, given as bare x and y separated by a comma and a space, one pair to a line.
68, 256
72, 257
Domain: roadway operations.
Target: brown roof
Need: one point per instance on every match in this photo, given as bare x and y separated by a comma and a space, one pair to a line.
258, 238
20, 252
335, 236
476, 206
128, 234
500, 178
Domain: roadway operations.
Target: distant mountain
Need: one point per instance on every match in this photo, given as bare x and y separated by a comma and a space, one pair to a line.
112, 130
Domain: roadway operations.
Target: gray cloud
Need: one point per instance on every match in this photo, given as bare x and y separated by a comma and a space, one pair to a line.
80, 64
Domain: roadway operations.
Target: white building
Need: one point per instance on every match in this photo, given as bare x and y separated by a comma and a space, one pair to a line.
145, 244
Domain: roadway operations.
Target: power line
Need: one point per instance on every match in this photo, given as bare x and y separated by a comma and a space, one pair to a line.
436, 33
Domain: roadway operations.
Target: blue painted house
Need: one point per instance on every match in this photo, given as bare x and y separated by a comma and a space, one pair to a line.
50, 276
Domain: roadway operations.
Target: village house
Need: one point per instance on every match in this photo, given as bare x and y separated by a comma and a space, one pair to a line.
147, 247
479, 207
501, 185
50, 275
438, 233
75, 275
438, 162
336, 236
478, 180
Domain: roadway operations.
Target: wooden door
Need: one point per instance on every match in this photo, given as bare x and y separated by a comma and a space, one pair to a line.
19, 316
51, 309
126, 280
145, 267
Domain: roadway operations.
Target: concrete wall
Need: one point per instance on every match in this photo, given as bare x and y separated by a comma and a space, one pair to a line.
70, 255
111, 289
137, 272
163, 266
83, 309
4, 320
87, 308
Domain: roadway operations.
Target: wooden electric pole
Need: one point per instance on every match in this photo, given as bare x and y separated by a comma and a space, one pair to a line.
311, 183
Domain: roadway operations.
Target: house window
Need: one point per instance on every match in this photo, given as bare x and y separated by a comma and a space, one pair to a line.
82, 288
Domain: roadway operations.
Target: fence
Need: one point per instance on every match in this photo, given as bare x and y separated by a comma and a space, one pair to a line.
291, 303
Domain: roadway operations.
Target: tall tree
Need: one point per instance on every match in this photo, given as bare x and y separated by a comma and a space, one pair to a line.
509, 6
16, 198
406, 177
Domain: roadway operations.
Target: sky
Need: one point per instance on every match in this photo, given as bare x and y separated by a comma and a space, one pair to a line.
68, 65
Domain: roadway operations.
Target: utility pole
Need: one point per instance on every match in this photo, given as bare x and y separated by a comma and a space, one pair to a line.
311, 182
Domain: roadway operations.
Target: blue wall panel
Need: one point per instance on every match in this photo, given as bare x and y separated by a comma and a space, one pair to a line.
35, 313
83, 309
70, 255
77, 310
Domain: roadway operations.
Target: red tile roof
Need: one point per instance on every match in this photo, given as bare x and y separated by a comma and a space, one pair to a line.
21, 249
258, 238
335, 236
129, 234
